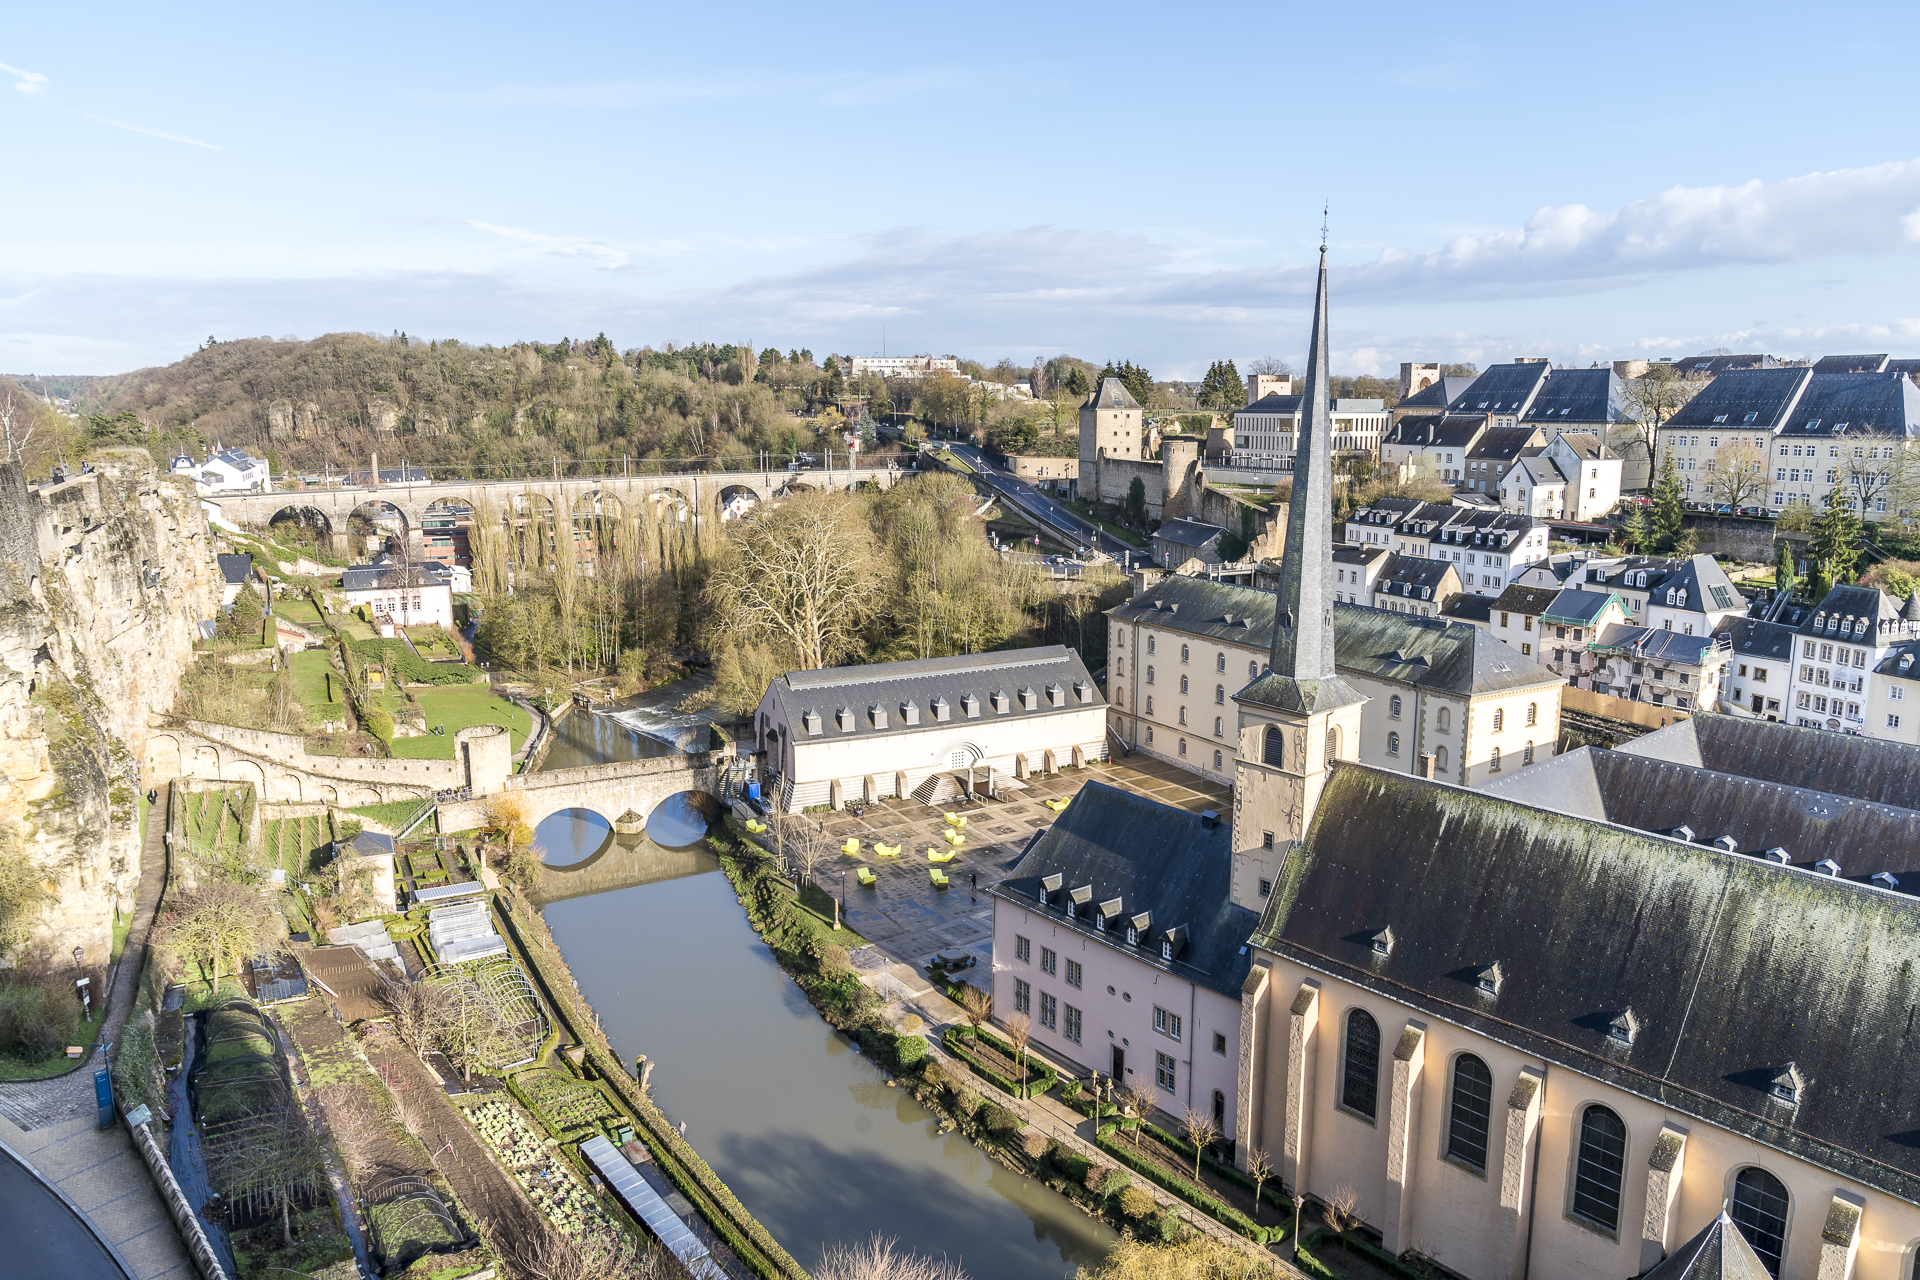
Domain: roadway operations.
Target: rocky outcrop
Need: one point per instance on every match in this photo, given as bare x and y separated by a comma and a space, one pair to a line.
103, 579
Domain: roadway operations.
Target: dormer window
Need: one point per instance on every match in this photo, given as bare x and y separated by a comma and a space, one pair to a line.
1489, 979
879, 715
1778, 855
1078, 898
1786, 1085
1138, 927
1624, 1027
1828, 867
970, 707
1056, 696
1886, 880
1383, 942
845, 717
1001, 702
811, 720
1028, 699
909, 713
1166, 948
940, 709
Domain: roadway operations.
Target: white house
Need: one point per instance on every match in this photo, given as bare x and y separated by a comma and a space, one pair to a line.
911, 728
1574, 477
401, 593
225, 471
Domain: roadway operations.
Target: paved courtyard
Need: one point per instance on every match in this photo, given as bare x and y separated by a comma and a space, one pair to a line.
912, 921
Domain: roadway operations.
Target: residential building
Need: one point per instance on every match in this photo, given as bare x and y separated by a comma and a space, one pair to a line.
445, 533
1760, 669
1840, 647
1354, 572
1430, 400
225, 471
1489, 547
401, 593
1893, 696
1502, 395
1262, 385
1574, 477
1265, 432
1659, 667
1412, 585
1116, 937
1841, 426
1556, 570
1430, 447
1178, 541
1688, 594
892, 729
1739, 411
904, 366
1555, 627
1494, 453
235, 573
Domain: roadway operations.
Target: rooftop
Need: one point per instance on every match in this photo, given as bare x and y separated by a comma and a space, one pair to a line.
1503, 388
1743, 397
1578, 395
1188, 533
922, 694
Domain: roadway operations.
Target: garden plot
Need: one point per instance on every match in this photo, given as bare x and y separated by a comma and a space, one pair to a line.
549, 1181
572, 1108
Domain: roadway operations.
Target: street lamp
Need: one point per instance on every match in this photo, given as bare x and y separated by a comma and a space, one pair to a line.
840, 904
1299, 1202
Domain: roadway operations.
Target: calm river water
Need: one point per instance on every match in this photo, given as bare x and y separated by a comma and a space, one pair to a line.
798, 1123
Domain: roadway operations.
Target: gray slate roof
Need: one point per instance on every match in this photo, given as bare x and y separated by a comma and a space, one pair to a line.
1767, 394
1433, 653
1539, 469
236, 570
1156, 859
1657, 644
1714, 366
1589, 920
1700, 576
1415, 577
1578, 395
1113, 394
1273, 402
1188, 533
1844, 610
1851, 364
1469, 608
1577, 608
1719, 1252
1502, 388
1843, 763
1437, 395
1430, 432
1886, 403
1756, 638
884, 688
1503, 444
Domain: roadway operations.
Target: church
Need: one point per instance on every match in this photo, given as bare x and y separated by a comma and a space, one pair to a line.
1539, 1034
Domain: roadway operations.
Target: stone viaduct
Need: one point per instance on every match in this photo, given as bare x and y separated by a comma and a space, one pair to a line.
703, 495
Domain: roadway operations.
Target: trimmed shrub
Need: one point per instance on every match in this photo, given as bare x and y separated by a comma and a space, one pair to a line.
999, 1121
1164, 1228
909, 1050
1073, 1166
378, 723
935, 1075
1136, 1204
1070, 1090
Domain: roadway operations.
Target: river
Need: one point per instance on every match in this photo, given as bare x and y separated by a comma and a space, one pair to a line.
801, 1126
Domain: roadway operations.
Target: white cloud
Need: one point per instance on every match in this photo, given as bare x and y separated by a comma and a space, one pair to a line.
25, 81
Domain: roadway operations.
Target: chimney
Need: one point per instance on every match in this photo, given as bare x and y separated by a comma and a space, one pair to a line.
1426, 764
374, 481
1209, 819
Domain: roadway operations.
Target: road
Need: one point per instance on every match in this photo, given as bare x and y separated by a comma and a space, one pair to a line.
1073, 529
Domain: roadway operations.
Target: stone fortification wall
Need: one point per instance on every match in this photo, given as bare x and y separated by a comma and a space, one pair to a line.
103, 579
281, 771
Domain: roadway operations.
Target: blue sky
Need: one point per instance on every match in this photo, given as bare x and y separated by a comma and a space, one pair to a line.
1118, 181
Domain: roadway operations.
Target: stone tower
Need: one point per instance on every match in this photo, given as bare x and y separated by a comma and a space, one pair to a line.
1112, 425
1299, 716
1180, 459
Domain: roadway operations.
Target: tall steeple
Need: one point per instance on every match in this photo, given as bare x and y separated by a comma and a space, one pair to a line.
1301, 675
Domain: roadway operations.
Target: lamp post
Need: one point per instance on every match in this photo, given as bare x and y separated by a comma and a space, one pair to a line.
840, 903
1299, 1202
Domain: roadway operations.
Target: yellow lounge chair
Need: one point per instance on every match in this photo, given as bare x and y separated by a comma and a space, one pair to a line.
938, 877
1058, 805
956, 820
948, 856
886, 850
756, 828
867, 877
954, 838
851, 848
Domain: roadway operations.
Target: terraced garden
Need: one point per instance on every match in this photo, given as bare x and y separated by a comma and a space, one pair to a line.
549, 1181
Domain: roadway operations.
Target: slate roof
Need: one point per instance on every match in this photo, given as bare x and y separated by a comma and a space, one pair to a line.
1539, 469
1414, 577
1575, 608
1156, 859
1432, 432
1437, 395
1719, 1252
1755, 638
1657, 644
1590, 920
1469, 608
885, 687
369, 844
1112, 394
1519, 599
1562, 565
1843, 763
1585, 445
1578, 395
1714, 366
236, 570
1767, 394
1845, 610
1908, 367
1188, 533
1705, 582
1433, 653
1502, 388
1274, 402
368, 577
1362, 556
1887, 403
1851, 364
1902, 661
1503, 444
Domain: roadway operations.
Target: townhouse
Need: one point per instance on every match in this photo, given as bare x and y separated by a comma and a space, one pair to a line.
1573, 477
1840, 647
1412, 585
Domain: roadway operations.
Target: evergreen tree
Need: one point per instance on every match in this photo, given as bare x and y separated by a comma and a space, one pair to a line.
1784, 577
1137, 381
1076, 383
1663, 526
1836, 544
1222, 388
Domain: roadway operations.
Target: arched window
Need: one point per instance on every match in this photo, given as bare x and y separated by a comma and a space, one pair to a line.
1150, 640
1216, 759
1183, 653
1183, 684
1394, 704
1526, 756
1220, 694
1253, 671
1218, 724
1493, 760
1760, 1211
1333, 745
1596, 1178
1393, 744
1440, 761
1472, 1110
1360, 1086
1442, 719
1183, 746
1149, 673
1273, 746
1219, 662
1499, 719
1533, 713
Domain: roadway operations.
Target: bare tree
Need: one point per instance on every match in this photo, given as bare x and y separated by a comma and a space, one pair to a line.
879, 1258
1342, 1212
1259, 1168
975, 1004
1652, 398
804, 843
805, 574
1738, 475
216, 926
421, 1012
1199, 1128
17, 426
546, 1254
1880, 470
1272, 365
1136, 1102
1019, 1029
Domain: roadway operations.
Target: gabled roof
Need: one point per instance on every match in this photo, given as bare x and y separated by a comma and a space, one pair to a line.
1841, 614
1714, 366
1415, 577
236, 570
1719, 1252
1578, 395
1539, 469
1725, 402
1452, 657
1589, 920
1707, 586
1657, 644
1575, 608
1188, 533
1857, 404
1584, 445
1843, 763
1364, 556
1155, 859
1755, 638
887, 686
1851, 364
1469, 608
1502, 388
1503, 443
1528, 600
1430, 432
1112, 394
1437, 394
1273, 402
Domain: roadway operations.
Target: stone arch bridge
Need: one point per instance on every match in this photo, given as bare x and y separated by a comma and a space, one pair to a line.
704, 495
609, 790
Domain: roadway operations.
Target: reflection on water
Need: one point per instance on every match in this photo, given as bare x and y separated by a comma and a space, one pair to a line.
570, 836
787, 1111
638, 728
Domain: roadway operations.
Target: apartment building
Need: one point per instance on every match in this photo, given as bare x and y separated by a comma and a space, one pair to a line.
1412, 585
1659, 667
1573, 477
904, 366
1431, 447
1494, 453
1688, 594
1266, 432
1760, 669
1487, 548
1839, 649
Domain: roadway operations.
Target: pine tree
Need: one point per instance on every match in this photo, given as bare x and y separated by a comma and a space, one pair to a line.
1663, 527
1784, 578
1076, 383
1836, 544
1222, 388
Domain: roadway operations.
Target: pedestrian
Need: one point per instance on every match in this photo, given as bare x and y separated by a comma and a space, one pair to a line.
153, 795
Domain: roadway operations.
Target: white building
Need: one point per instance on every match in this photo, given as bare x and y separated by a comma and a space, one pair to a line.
225, 471
1575, 477
1488, 548
904, 366
1265, 432
401, 593
909, 728
1839, 649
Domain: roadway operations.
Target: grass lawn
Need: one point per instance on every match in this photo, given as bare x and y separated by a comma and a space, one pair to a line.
310, 669
458, 706
79, 1032
296, 607
1127, 536
390, 814
354, 629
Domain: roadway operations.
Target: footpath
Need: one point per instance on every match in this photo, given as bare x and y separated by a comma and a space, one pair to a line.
51, 1123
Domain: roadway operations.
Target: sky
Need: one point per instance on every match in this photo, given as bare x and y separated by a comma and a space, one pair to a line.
1116, 181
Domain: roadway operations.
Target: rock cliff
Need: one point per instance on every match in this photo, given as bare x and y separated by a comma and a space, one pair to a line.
103, 578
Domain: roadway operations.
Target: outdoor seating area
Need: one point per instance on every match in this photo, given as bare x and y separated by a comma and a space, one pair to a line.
886, 850
947, 856
867, 878
938, 877
851, 848
956, 820
954, 838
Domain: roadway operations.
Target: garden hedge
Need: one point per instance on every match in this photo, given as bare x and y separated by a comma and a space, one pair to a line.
1042, 1079
1220, 1212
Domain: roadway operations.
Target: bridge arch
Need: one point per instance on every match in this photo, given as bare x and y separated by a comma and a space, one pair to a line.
377, 517
305, 517
737, 501
668, 500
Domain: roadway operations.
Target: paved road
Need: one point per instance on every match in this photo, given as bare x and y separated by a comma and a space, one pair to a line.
1073, 528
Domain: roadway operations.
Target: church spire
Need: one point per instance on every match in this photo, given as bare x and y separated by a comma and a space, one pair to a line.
1303, 634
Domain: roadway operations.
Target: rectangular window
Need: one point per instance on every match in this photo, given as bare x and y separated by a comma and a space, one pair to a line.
1073, 973
1022, 996
1049, 1012
1049, 960
1893, 722
1023, 949
1072, 1029
1167, 1024
1220, 1044
1163, 1072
